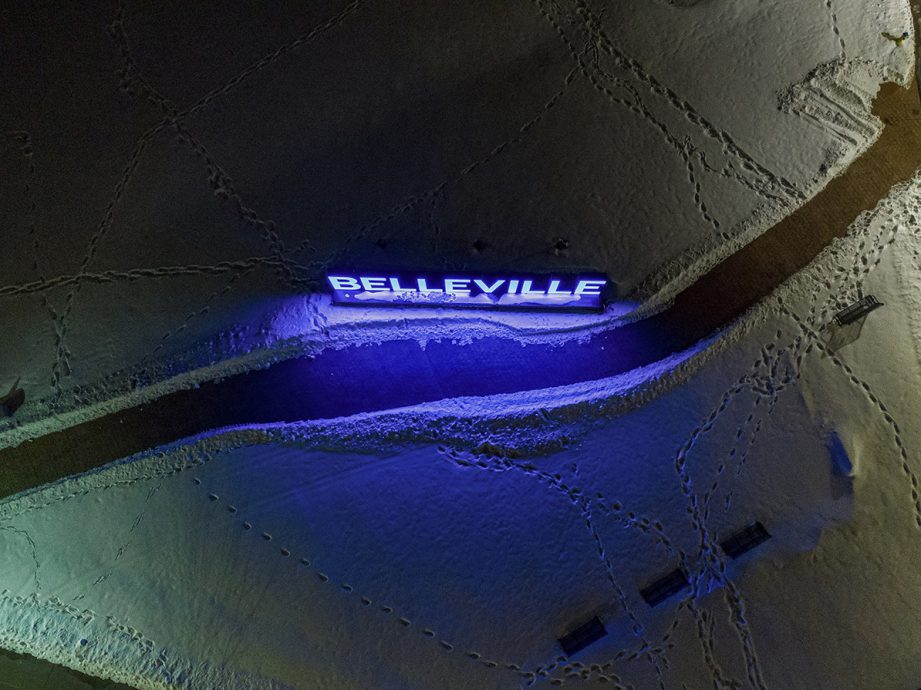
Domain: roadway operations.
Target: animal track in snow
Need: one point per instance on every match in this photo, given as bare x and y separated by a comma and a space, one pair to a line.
385, 609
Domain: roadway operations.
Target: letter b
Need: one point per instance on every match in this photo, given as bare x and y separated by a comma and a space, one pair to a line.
343, 283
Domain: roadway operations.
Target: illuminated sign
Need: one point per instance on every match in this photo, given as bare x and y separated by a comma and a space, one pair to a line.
382, 288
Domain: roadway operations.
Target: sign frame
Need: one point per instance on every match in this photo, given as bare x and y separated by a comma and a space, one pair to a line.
556, 291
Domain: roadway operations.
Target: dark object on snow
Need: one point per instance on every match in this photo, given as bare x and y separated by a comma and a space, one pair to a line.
583, 636
560, 245
12, 401
664, 587
745, 540
857, 310
898, 40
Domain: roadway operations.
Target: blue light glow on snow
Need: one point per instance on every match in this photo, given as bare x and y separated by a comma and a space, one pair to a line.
582, 291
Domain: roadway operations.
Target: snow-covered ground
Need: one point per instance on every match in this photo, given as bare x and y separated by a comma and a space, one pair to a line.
173, 191
449, 545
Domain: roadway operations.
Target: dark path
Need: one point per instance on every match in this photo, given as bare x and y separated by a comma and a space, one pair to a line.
24, 672
401, 373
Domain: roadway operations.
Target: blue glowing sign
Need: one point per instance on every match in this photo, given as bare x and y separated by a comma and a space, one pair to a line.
383, 288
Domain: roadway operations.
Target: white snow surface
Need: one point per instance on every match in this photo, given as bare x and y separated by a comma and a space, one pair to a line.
449, 545
174, 192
